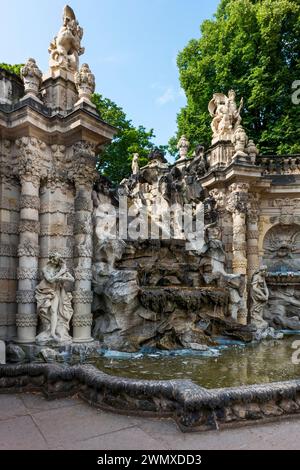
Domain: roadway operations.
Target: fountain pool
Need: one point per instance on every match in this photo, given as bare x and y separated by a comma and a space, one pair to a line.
227, 365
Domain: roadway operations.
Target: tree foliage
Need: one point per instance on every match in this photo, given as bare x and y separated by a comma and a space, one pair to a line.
252, 46
16, 69
115, 160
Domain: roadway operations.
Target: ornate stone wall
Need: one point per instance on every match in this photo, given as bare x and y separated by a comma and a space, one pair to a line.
50, 132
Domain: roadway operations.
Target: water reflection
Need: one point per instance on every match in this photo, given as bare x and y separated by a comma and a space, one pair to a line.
234, 365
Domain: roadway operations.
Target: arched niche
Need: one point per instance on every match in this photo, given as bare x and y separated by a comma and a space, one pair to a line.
281, 249
281, 255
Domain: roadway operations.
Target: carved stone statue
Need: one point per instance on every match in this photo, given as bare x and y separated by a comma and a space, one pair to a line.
32, 77
259, 296
135, 164
65, 48
85, 82
240, 142
53, 302
235, 283
226, 115
183, 147
252, 151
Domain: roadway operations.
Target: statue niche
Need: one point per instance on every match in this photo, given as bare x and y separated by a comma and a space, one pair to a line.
282, 257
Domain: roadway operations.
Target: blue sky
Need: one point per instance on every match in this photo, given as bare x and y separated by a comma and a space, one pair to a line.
131, 47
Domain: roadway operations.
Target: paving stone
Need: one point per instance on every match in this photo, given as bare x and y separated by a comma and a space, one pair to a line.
39, 402
11, 406
20, 433
127, 439
75, 423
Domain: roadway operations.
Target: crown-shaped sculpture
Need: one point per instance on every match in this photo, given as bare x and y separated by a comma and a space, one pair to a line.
65, 48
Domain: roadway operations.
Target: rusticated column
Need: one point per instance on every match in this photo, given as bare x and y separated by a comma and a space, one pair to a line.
29, 167
237, 204
252, 235
84, 175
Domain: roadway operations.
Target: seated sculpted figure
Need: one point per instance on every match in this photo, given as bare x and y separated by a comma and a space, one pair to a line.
53, 302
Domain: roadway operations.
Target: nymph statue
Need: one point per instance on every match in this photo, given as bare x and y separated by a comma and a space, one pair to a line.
53, 302
259, 297
234, 283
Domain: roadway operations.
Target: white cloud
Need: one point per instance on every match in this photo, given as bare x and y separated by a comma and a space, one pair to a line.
167, 97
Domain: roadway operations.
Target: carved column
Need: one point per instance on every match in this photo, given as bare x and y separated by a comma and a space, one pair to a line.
29, 159
237, 204
252, 235
84, 175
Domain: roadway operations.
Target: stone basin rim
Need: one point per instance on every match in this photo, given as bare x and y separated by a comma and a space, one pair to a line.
192, 407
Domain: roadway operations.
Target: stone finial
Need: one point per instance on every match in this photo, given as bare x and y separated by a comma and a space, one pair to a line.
135, 164
32, 78
85, 83
65, 48
183, 147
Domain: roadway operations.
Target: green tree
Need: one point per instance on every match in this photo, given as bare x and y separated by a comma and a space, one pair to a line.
115, 160
16, 69
253, 47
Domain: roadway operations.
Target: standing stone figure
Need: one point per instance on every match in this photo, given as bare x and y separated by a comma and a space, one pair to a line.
135, 164
259, 296
53, 302
183, 147
225, 113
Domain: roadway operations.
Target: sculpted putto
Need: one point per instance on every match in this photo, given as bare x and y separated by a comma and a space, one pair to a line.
225, 113
53, 302
65, 48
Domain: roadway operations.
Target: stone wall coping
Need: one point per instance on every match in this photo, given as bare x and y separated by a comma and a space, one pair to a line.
191, 406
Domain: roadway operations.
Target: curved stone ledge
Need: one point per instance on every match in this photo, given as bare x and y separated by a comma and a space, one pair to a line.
193, 408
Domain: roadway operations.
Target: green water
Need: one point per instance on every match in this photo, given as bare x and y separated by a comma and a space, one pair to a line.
269, 361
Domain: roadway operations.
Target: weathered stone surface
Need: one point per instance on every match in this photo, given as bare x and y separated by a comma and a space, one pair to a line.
15, 353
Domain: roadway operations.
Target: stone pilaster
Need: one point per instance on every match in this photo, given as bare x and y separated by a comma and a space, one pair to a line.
9, 236
84, 174
252, 236
29, 168
237, 204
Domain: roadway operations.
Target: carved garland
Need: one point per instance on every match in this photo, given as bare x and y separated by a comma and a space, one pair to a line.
26, 320
82, 320
25, 297
82, 296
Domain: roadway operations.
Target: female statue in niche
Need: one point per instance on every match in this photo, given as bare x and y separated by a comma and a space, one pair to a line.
259, 297
53, 302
